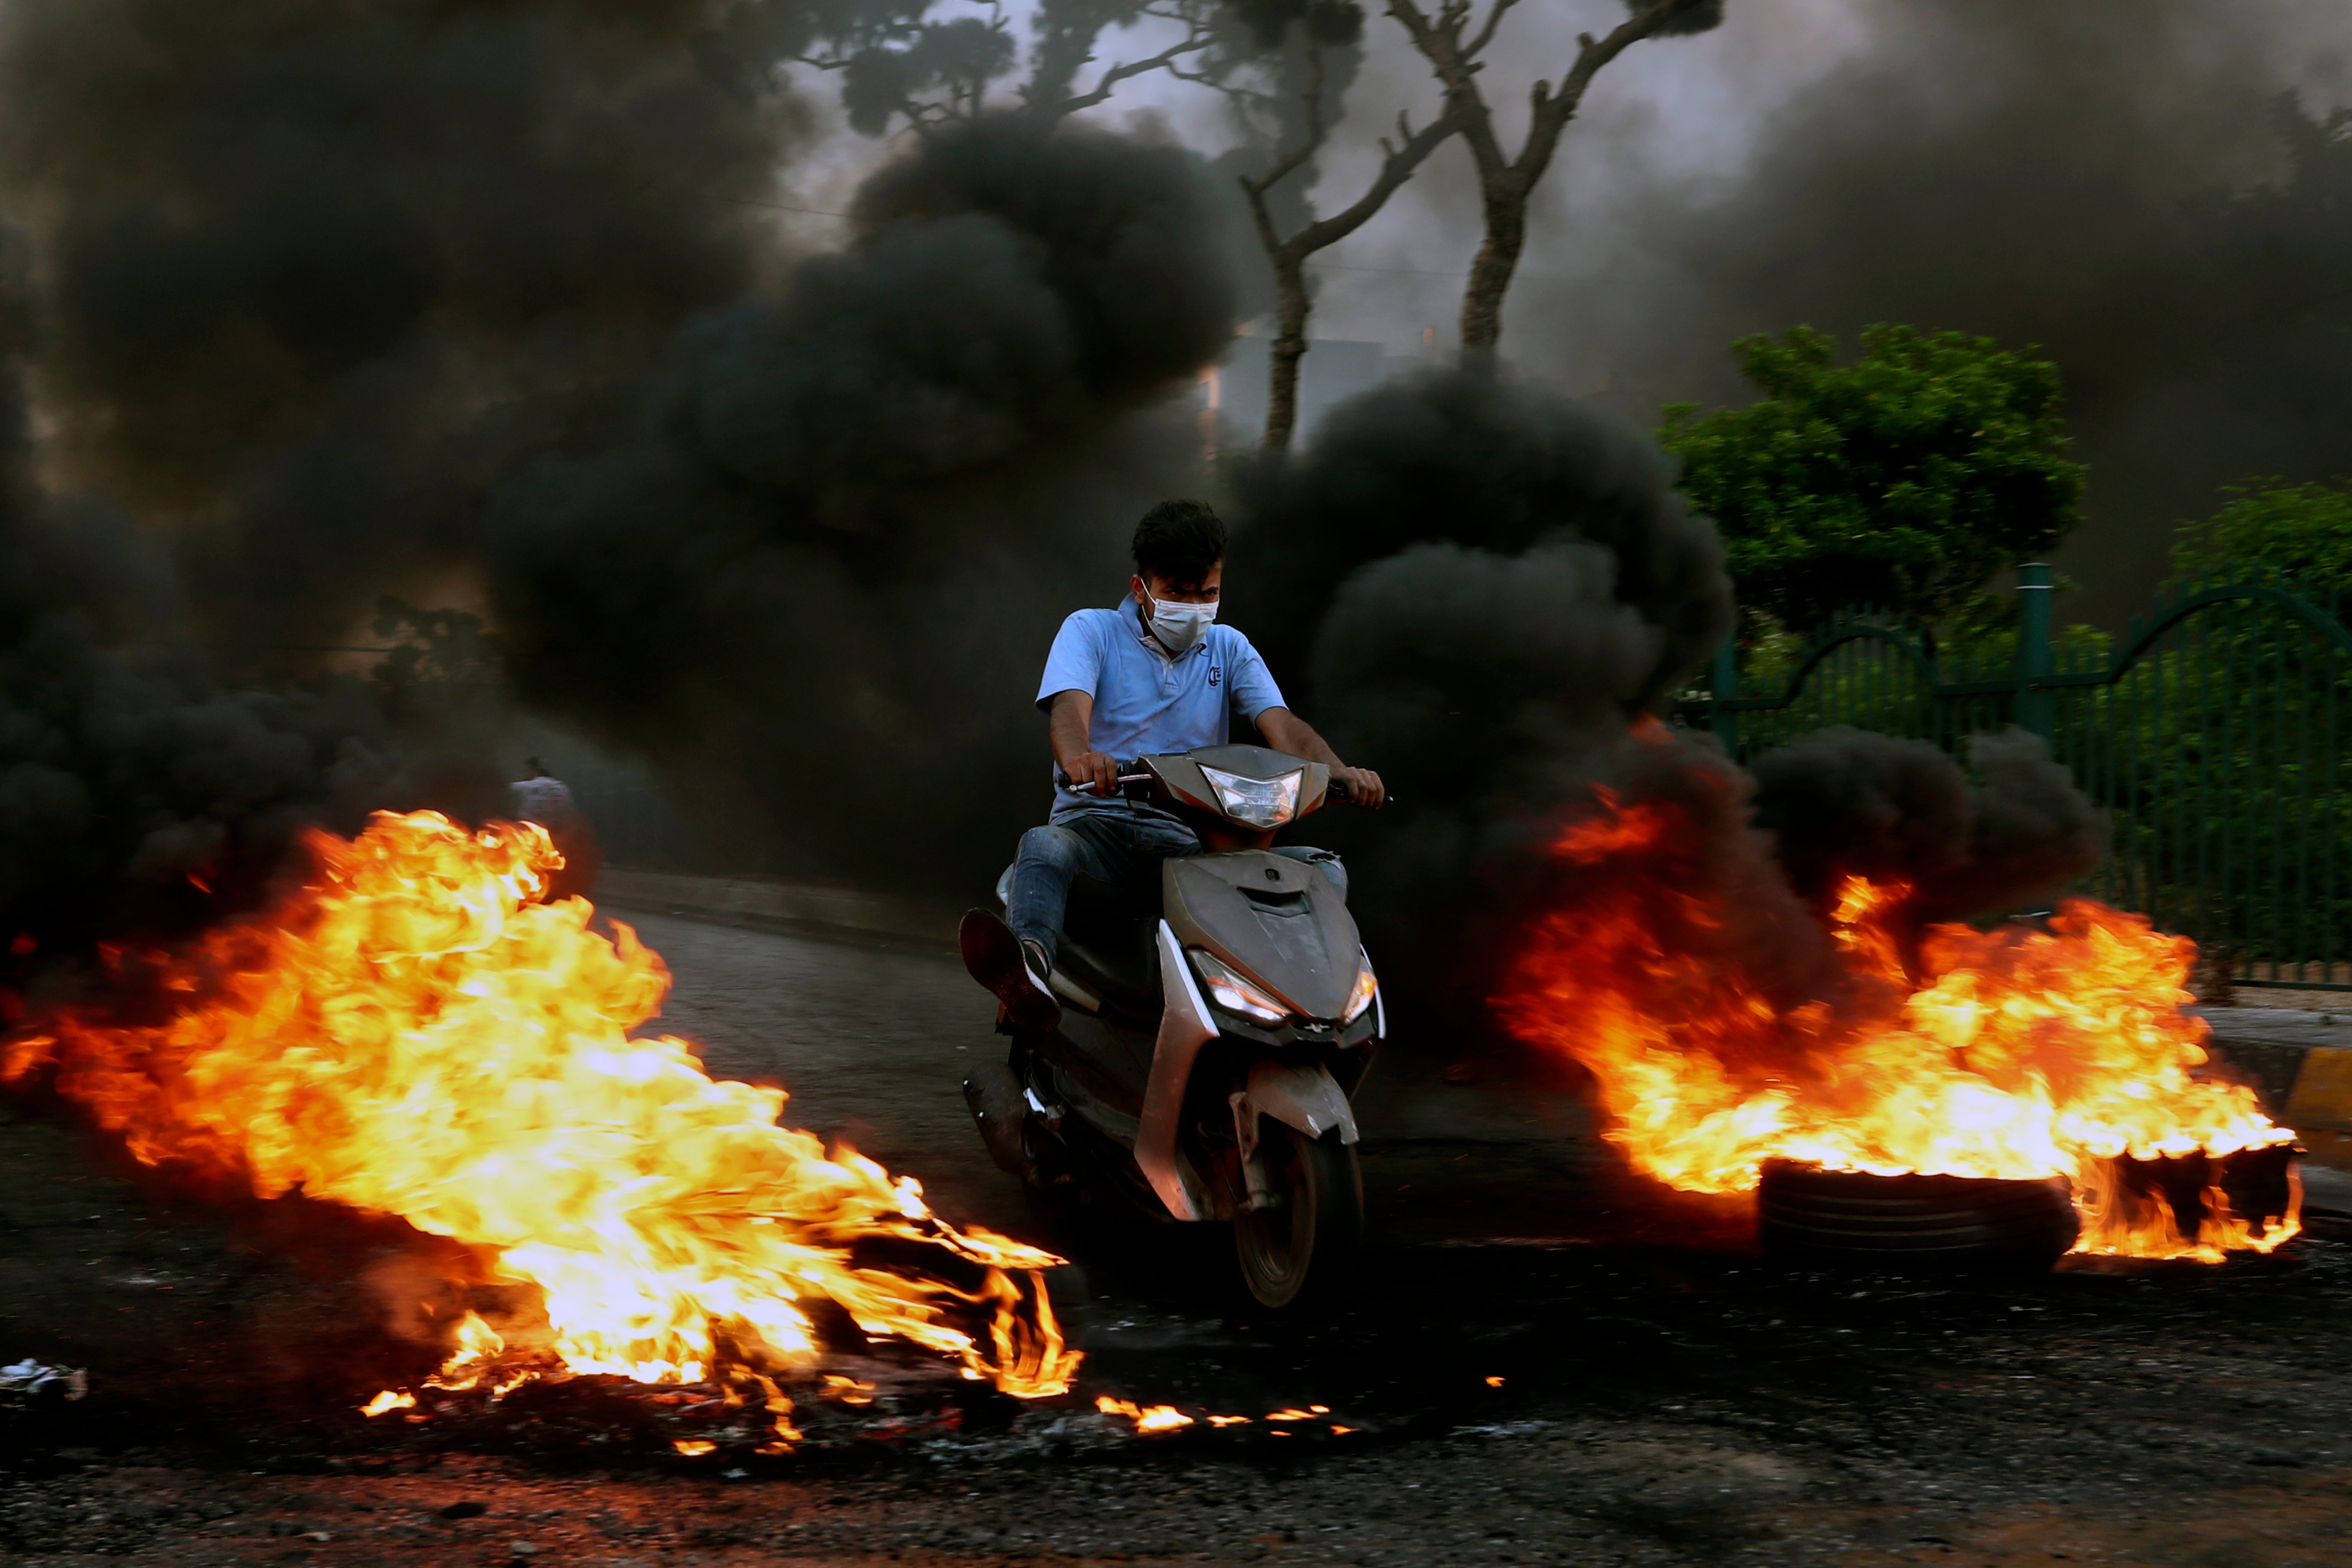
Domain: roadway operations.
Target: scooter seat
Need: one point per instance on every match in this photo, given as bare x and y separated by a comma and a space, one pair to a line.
1107, 945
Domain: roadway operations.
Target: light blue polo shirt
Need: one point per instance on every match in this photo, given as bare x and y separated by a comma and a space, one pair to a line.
1146, 701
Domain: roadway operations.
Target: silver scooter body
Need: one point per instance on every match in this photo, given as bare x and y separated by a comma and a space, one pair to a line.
1209, 1049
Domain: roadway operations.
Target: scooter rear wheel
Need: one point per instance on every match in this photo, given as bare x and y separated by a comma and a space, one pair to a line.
1306, 1243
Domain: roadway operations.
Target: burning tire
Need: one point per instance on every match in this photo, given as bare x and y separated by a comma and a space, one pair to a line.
2194, 1203
1308, 1239
1813, 1218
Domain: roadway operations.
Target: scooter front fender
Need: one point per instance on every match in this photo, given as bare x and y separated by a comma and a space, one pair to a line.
1308, 1098
1184, 1028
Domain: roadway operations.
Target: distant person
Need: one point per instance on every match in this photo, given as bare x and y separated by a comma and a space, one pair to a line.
541, 798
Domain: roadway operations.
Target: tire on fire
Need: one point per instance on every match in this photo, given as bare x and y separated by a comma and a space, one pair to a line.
1810, 1217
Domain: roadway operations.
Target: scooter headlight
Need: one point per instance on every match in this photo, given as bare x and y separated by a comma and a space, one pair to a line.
1366, 989
1261, 803
1236, 994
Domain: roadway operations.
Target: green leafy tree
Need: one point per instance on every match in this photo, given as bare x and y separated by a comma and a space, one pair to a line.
2232, 813
931, 64
2303, 531
1905, 479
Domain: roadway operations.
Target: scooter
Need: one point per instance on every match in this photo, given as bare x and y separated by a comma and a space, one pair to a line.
1209, 1048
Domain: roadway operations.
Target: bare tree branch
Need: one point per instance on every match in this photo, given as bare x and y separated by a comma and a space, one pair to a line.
1477, 45
1238, 92
1590, 57
1439, 40
1288, 255
1507, 181
1051, 92
1288, 162
1119, 73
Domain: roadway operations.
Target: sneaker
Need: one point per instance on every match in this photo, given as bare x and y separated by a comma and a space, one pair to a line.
1014, 970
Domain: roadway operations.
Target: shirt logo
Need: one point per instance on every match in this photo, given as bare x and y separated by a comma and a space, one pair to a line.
1214, 672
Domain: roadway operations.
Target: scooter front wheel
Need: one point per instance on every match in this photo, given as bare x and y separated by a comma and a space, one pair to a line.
1305, 1242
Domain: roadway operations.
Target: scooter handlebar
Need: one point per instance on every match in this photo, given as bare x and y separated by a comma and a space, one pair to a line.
1337, 790
1062, 779
1332, 791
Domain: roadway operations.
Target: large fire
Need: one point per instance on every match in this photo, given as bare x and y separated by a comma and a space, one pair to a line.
2012, 1053
417, 1032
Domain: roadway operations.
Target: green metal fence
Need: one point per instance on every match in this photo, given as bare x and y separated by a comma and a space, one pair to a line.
2214, 732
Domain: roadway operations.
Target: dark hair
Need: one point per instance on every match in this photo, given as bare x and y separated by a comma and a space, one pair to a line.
1178, 540
536, 764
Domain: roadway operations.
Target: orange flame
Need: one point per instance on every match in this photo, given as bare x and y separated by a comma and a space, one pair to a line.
1147, 1417
475, 1356
2014, 1053
413, 1034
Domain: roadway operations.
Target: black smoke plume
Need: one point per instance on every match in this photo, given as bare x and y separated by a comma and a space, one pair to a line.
2137, 192
1476, 586
1496, 592
1692, 17
484, 303
315, 275
1500, 468
347, 300
820, 573
139, 797
300, 284
1844, 802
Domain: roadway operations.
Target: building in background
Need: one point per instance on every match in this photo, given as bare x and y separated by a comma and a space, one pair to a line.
1233, 393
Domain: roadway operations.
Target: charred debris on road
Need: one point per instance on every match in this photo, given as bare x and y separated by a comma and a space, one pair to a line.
1634, 1392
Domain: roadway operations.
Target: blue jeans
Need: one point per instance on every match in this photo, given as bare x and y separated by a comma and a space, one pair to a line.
1119, 848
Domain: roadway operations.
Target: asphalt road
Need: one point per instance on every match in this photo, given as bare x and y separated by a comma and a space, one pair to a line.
869, 1041
872, 1043
1544, 1362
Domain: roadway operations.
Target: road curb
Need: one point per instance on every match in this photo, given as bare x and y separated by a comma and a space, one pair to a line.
2300, 1063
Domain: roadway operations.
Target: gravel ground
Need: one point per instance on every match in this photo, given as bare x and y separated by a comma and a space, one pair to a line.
1665, 1397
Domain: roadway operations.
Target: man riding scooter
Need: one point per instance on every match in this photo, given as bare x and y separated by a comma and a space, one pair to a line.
1156, 675
1190, 1004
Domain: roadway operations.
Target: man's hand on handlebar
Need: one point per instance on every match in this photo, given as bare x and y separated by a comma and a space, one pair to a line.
1361, 785
1093, 773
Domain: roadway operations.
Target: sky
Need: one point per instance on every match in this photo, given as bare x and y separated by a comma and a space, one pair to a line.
1687, 115
1992, 166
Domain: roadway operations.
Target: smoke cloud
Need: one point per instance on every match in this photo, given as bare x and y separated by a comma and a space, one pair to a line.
138, 796
2137, 192
1844, 802
482, 304
1484, 584
1489, 465
1497, 589
312, 277
299, 285
827, 561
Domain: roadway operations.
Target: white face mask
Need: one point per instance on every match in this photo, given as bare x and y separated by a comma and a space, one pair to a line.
1179, 626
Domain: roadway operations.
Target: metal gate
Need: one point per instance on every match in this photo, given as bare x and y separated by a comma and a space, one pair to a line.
2211, 732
